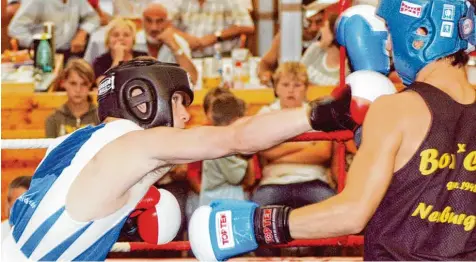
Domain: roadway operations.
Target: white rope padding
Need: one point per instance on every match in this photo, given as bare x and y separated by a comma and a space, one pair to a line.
121, 247
26, 143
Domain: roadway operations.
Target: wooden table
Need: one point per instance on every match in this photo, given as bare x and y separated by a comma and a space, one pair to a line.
30, 87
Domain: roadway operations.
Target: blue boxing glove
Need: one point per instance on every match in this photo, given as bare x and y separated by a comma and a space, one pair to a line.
364, 37
227, 228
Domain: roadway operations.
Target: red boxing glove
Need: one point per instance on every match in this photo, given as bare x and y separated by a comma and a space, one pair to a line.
94, 3
150, 199
161, 223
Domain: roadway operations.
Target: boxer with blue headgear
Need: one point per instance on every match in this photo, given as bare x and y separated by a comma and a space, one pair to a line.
423, 31
409, 185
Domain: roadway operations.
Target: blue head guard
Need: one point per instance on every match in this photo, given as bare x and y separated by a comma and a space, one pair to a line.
364, 36
448, 24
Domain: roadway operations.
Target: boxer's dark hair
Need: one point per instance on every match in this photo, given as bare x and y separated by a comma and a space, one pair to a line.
21, 181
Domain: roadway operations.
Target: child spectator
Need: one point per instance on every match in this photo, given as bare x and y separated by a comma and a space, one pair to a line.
294, 173
77, 80
16, 188
226, 177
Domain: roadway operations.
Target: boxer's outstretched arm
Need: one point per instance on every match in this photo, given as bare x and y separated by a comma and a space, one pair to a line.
245, 136
368, 179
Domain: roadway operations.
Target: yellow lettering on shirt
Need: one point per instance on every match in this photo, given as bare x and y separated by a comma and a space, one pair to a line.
469, 162
447, 216
431, 160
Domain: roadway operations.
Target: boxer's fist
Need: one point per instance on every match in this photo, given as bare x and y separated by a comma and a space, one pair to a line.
150, 199
227, 228
156, 224
332, 113
346, 107
160, 224
364, 36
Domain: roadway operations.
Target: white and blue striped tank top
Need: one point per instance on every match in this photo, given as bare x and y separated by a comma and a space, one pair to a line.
42, 229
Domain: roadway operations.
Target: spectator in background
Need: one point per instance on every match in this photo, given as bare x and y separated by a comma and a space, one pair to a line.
130, 8
77, 79
11, 9
227, 177
294, 173
74, 21
103, 16
315, 14
207, 22
17, 187
120, 39
322, 58
209, 97
164, 41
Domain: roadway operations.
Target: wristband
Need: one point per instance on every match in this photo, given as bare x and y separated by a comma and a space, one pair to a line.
271, 225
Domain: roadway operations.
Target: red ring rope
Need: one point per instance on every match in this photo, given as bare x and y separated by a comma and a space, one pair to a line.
313, 136
185, 245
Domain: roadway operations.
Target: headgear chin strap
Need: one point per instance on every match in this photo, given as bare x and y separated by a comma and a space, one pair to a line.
448, 26
141, 91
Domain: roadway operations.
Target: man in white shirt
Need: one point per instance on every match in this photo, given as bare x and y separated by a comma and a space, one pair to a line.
207, 22
163, 41
74, 21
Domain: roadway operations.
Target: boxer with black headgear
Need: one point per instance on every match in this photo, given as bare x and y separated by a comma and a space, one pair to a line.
143, 82
97, 178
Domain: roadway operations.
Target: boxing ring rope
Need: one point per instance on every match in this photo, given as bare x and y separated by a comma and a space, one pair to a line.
26, 143
346, 241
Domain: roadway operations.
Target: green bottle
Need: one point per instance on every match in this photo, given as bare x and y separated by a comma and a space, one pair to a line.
43, 58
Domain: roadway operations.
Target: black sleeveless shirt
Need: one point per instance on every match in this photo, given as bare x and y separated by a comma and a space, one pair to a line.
429, 210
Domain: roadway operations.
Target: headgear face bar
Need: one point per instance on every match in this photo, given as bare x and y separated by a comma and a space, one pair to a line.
157, 83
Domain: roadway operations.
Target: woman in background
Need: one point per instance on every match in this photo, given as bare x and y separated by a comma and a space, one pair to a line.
120, 39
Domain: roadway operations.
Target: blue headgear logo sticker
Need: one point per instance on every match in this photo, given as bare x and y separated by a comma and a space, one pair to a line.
410, 9
448, 12
447, 29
